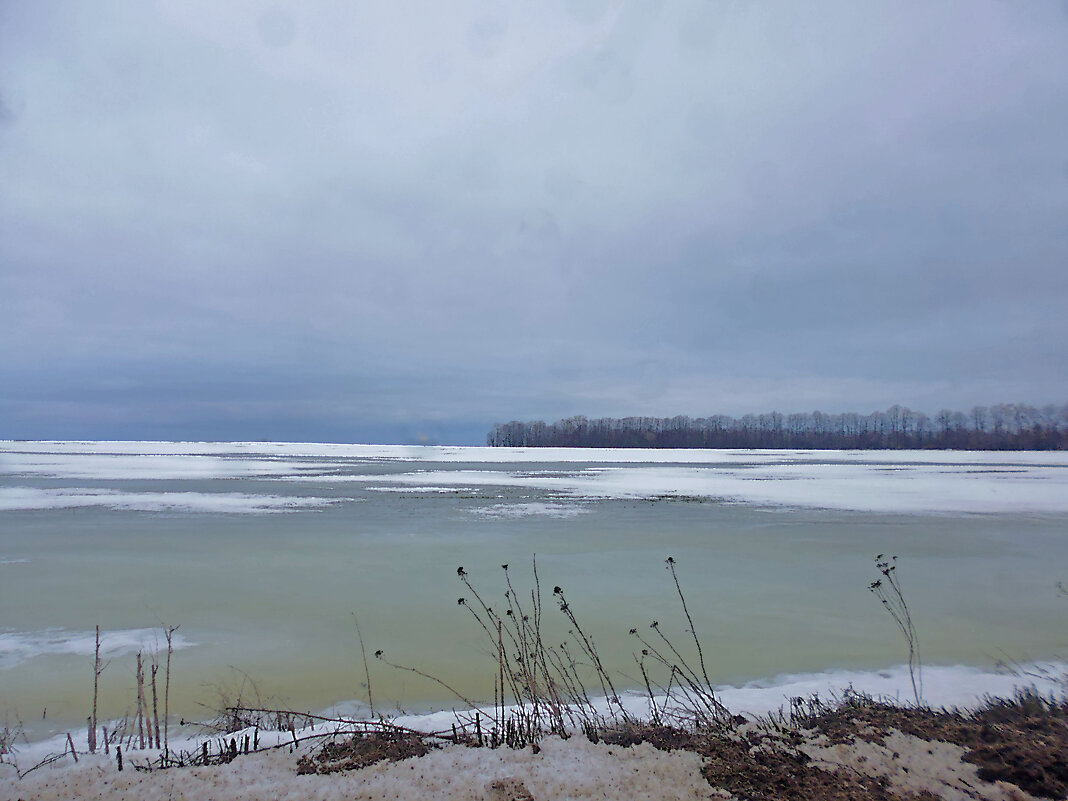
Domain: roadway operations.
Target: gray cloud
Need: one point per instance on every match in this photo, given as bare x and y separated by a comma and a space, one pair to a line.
389, 218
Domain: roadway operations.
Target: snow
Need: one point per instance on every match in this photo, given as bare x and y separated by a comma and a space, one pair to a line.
533, 509
429, 490
31, 498
908, 488
575, 769
572, 769
911, 765
18, 647
872, 481
125, 466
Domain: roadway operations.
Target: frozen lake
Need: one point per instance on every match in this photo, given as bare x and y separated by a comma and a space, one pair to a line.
263, 552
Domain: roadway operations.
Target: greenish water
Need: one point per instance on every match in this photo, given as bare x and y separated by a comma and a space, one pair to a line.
773, 590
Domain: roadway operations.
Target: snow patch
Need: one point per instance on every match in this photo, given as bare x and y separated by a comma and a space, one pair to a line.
535, 509
421, 489
30, 498
19, 647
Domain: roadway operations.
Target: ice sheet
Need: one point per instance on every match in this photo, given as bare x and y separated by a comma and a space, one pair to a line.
31, 498
533, 509
127, 466
918, 488
18, 647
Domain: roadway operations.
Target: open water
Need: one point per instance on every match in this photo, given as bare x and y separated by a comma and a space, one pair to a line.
263, 554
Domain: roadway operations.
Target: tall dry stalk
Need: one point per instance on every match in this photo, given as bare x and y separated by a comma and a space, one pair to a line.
98, 668
888, 591
168, 633
670, 561
155, 702
366, 670
140, 701
145, 715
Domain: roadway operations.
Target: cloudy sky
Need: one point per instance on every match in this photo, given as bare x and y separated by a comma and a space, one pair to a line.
405, 221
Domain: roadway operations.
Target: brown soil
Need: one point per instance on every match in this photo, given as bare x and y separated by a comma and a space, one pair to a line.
762, 768
759, 766
360, 751
1023, 740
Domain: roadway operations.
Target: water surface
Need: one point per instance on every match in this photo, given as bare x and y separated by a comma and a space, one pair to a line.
263, 553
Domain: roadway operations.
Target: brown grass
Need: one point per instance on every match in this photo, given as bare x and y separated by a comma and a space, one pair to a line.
363, 750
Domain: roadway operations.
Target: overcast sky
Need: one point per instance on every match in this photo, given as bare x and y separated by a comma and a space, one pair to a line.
405, 221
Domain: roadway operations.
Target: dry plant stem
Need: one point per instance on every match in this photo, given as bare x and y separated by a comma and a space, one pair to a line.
494, 630
360, 726
140, 702
571, 670
366, 670
591, 652
649, 690
702, 691
155, 703
97, 670
682, 668
699, 700
435, 679
9, 736
539, 647
525, 635
889, 593
500, 665
576, 692
693, 629
147, 715
168, 632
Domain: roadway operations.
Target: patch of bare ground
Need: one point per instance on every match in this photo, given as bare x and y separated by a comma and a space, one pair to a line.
858, 750
363, 750
1022, 740
764, 768
761, 765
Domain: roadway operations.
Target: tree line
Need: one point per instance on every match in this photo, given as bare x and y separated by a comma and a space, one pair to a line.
1004, 426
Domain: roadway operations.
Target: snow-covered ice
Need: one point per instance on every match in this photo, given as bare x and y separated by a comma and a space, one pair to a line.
32, 498
17, 647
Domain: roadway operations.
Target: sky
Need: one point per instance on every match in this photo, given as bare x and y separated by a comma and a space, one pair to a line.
403, 222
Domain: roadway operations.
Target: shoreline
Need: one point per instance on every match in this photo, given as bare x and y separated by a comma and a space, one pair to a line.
946, 686
857, 748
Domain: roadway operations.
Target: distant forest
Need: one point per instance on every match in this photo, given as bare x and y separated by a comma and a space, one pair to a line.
1005, 426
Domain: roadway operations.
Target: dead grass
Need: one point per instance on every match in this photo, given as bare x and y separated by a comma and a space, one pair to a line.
363, 750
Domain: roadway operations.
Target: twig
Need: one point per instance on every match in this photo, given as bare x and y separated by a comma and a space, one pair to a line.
168, 633
366, 670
